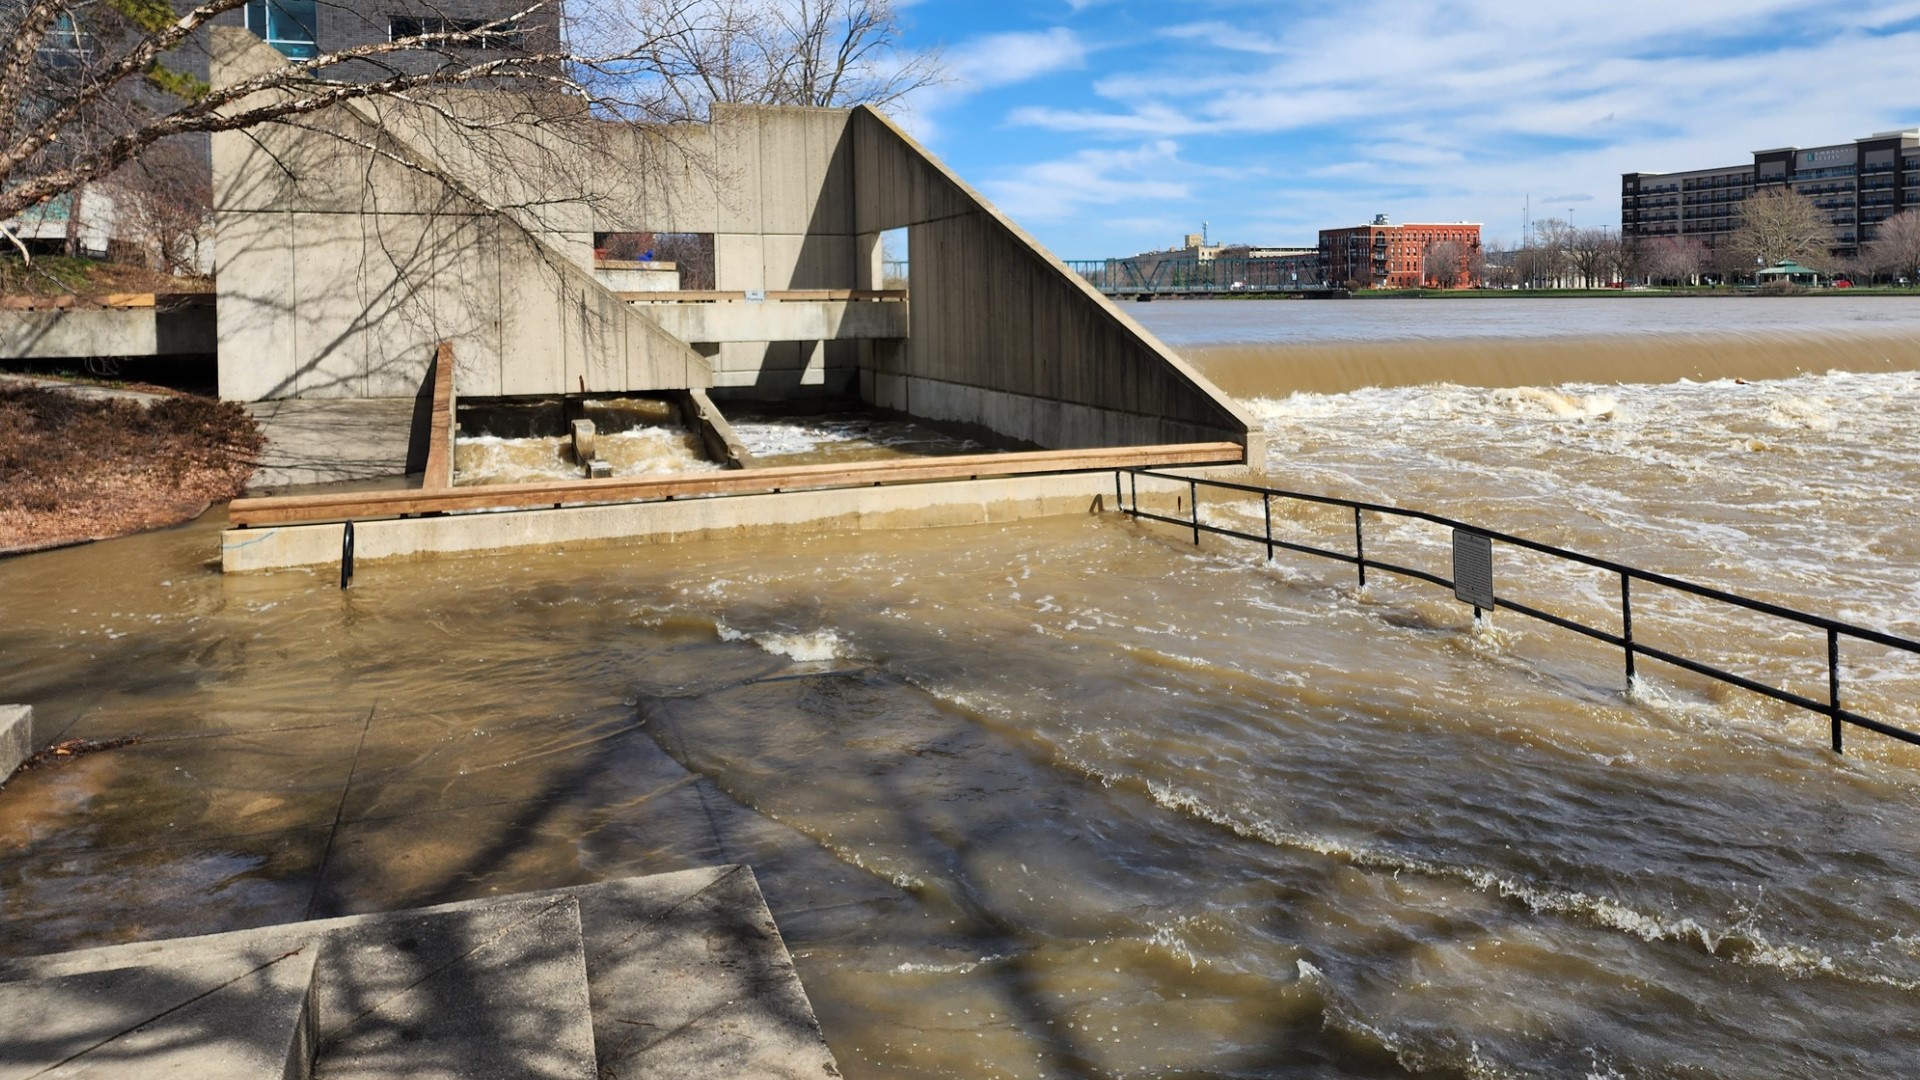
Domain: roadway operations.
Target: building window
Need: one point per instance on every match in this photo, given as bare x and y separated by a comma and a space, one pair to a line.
286, 25
505, 35
65, 45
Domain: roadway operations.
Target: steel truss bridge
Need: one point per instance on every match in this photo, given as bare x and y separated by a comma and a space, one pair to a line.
1152, 275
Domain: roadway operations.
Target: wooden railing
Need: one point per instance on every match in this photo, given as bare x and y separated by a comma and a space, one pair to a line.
349, 506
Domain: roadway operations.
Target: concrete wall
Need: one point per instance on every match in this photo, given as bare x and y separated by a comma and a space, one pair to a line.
345, 258
1004, 335
788, 320
16, 738
774, 186
78, 333
346, 253
957, 502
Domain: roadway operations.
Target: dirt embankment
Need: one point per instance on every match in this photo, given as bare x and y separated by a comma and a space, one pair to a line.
58, 275
75, 469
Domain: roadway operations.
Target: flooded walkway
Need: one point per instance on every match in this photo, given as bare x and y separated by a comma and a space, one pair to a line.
1073, 797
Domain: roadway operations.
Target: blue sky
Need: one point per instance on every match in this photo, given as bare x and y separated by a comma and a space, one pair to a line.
1107, 127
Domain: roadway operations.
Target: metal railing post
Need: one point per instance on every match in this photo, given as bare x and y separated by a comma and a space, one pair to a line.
1626, 623
1118, 502
1359, 548
1631, 650
346, 555
1833, 684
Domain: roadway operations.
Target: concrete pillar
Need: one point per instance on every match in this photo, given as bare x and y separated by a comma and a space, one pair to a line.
583, 441
869, 268
16, 738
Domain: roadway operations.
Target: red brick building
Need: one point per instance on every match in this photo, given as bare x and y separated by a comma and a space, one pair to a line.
1383, 256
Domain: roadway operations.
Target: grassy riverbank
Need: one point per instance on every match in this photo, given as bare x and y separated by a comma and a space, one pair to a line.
75, 469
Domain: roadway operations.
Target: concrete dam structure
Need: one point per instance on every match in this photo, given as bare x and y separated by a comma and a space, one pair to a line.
355, 241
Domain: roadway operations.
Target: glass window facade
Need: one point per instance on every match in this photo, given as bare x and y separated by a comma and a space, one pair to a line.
287, 25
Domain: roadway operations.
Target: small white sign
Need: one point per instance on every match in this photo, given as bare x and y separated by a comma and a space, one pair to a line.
756, 296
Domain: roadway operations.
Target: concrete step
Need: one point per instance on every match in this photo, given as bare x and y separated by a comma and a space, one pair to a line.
226, 1015
681, 975
690, 979
498, 990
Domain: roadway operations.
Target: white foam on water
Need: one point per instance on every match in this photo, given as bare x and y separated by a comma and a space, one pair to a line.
1168, 938
1738, 944
958, 967
1796, 411
783, 440
1561, 404
640, 451
805, 648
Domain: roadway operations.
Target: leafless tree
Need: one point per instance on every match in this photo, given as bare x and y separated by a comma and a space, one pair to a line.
1674, 259
1548, 255
1591, 255
691, 253
1445, 264
1495, 265
1630, 258
88, 86
163, 205
784, 52
1728, 262
1895, 247
1777, 224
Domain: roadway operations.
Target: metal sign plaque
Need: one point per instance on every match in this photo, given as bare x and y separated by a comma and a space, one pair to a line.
756, 296
1473, 569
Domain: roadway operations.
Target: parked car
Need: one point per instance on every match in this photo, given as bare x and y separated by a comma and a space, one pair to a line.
1842, 283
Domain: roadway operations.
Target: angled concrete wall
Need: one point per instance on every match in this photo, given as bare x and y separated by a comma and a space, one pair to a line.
346, 253
1004, 335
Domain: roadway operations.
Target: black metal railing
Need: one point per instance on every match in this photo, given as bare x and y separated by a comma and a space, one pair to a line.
1476, 587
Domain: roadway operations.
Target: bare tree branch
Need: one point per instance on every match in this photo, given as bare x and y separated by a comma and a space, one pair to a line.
1777, 224
1895, 247
87, 117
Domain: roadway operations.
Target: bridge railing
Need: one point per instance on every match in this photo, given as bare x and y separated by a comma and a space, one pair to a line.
1189, 275
1473, 583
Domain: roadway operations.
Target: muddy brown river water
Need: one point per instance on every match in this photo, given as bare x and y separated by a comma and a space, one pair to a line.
1077, 798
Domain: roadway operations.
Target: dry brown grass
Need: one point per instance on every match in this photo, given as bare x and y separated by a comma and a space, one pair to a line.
77, 469
59, 275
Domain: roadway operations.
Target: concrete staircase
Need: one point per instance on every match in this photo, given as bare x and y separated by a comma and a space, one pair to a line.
679, 975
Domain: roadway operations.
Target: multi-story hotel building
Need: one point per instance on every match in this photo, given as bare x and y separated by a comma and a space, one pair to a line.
1859, 184
1384, 256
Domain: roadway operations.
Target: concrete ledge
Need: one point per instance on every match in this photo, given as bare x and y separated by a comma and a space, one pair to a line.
681, 975
16, 738
59, 335
716, 434
957, 502
225, 1015
793, 320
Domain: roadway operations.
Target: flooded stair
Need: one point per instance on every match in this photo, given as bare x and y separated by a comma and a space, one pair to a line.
678, 974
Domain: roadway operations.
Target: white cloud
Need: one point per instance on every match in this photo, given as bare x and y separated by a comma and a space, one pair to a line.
1150, 119
1222, 35
1458, 109
1005, 59
1051, 190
